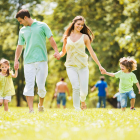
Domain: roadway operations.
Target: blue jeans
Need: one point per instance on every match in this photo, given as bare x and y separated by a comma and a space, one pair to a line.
101, 99
124, 96
61, 97
118, 104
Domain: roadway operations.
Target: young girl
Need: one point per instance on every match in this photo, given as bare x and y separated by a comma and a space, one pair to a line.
127, 78
76, 37
6, 83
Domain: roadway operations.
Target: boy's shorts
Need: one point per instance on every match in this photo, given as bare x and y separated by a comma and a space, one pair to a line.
6, 98
124, 96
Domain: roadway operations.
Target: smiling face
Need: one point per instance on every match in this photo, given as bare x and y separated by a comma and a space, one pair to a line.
23, 21
123, 68
4, 67
78, 26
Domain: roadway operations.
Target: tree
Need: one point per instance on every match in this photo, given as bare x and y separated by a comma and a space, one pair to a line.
111, 21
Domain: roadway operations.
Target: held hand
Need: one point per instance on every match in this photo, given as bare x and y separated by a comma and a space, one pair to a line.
57, 55
114, 97
16, 65
92, 89
102, 70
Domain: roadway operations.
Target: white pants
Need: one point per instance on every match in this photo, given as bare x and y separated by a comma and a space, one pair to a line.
79, 80
38, 71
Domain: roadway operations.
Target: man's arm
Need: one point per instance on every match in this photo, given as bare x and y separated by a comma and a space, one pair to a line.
63, 52
92, 89
54, 46
106, 89
17, 56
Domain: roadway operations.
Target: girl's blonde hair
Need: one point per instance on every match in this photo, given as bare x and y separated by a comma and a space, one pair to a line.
5, 61
129, 62
86, 30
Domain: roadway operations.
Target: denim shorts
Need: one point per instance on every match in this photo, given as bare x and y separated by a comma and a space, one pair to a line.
61, 97
124, 96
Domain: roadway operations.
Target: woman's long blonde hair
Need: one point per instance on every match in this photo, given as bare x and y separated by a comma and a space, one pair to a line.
86, 30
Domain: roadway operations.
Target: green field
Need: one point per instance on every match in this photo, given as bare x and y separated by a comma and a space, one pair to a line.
60, 124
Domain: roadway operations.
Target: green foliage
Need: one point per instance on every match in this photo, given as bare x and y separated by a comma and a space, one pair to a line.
111, 21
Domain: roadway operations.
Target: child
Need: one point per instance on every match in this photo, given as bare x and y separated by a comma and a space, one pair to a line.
127, 78
6, 83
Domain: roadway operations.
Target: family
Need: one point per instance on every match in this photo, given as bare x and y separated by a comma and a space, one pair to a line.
76, 37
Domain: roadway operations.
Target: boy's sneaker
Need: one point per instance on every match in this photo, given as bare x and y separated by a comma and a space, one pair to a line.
40, 108
132, 108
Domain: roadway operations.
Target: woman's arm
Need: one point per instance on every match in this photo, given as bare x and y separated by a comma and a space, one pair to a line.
92, 53
16, 74
63, 52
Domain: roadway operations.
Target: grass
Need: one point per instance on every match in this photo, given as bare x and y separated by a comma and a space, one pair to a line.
60, 124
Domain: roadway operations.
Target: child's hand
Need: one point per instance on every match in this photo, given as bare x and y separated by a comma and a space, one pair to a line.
57, 55
16, 65
105, 72
102, 70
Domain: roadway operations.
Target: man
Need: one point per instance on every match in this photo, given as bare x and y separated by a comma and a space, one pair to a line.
102, 88
60, 93
34, 34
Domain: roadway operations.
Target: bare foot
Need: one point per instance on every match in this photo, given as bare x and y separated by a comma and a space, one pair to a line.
83, 106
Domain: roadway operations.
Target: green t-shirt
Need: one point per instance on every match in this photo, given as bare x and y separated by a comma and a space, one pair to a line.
126, 81
34, 37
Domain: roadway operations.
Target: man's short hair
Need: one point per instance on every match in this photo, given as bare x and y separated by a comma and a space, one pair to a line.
22, 13
62, 79
102, 78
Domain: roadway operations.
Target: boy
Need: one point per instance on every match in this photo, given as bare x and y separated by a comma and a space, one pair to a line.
127, 78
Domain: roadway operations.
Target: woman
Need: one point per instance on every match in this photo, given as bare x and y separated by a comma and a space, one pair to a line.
76, 37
